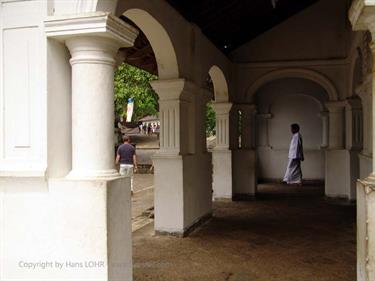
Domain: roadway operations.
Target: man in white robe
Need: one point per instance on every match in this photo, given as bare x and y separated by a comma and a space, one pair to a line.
293, 174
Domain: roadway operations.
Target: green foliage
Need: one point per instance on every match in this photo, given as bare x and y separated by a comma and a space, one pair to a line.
210, 120
132, 82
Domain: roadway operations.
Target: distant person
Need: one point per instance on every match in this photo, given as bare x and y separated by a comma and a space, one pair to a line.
153, 128
293, 173
128, 160
145, 129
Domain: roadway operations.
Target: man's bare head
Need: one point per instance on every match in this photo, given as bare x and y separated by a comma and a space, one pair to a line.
125, 139
295, 128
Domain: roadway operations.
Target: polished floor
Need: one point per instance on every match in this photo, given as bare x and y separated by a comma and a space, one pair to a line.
286, 234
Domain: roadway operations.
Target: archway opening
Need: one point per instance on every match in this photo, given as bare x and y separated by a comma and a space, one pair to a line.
152, 57
283, 102
210, 125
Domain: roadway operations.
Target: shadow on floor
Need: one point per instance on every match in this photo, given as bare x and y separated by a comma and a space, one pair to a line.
286, 234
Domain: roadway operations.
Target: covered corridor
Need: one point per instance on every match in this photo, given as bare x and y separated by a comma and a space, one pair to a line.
263, 65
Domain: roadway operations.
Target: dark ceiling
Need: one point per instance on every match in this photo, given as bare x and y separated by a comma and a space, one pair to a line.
141, 54
227, 23
231, 23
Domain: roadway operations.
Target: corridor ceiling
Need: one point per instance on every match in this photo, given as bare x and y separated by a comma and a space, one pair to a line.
231, 23
227, 23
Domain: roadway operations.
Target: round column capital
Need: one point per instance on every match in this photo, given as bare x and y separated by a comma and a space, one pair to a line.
89, 49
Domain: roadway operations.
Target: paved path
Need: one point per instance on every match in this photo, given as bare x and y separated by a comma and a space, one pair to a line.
142, 200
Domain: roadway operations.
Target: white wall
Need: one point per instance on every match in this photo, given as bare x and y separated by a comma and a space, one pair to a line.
74, 222
290, 101
23, 88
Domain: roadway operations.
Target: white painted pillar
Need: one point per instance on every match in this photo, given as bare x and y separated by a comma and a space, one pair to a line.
222, 124
362, 17
93, 50
336, 124
93, 206
364, 91
244, 158
325, 128
168, 180
234, 132
353, 142
92, 106
179, 203
353, 118
169, 114
221, 154
337, 157
248, 124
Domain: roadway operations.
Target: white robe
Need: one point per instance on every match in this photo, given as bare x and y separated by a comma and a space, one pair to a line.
293, 174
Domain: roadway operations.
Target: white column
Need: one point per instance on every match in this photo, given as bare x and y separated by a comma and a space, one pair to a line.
234, 132
248, 123
353, 118
221, 154
222, 124
92, 106
337, 158
169, 93
336, 124
364, 91
182, 182
353, 143
325, 128
362, 17
93, 41
244, 158
92, 206
168, 162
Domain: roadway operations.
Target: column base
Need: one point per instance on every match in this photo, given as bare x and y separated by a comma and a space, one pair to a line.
183, 196
365, 165
222, 174
244, 174
199, 222
337, 171
168, 193
98, 174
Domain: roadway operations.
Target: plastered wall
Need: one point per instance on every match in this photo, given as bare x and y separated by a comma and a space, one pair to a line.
289, 101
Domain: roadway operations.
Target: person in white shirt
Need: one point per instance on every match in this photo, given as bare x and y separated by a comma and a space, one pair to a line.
293, 174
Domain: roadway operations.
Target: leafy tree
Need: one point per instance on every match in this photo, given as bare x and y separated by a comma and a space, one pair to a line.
132, 82
210, 120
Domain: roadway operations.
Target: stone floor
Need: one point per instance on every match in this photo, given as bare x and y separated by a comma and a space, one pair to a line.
142, 200
287, 234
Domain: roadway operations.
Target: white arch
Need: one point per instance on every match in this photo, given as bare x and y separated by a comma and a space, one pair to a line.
220, 84
294, 73
160, 42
